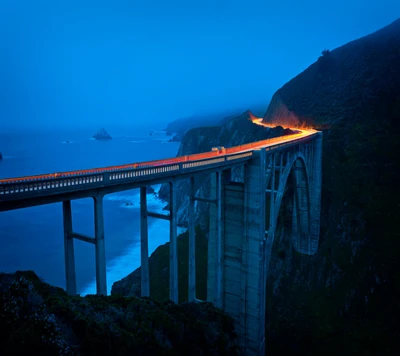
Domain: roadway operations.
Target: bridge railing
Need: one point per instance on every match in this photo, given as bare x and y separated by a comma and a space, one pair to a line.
101, 176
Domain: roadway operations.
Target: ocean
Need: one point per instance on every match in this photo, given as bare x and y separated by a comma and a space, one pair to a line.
32, 238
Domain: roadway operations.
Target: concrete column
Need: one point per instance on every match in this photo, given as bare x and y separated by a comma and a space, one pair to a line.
215, 243
242, 330
315, 194
144, 246
219, 276
70, 276
212, 242
235, 257
256, 274
173, 248
273, 195
101, 280
192, 244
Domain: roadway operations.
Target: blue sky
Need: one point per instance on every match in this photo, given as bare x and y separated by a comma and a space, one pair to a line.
98, 63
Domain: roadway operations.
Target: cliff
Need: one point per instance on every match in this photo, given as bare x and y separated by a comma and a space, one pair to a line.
36, 317
235, 131
102, 134
347, 294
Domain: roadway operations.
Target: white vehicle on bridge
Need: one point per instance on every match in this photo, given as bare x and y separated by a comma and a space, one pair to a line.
219, 149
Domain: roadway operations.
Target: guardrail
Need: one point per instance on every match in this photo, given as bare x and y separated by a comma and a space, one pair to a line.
109, 175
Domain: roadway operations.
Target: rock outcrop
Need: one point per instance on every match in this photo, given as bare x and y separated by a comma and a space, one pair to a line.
37, 316
102, 134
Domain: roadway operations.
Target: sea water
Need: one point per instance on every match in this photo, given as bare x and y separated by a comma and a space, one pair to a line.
32, 238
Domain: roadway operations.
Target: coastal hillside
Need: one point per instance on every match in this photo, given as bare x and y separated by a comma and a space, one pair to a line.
347, 294
180, 126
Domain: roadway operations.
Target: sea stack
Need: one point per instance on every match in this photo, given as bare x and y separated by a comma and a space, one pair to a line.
102, 134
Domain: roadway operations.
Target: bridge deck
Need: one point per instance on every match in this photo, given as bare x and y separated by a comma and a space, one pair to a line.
29, 191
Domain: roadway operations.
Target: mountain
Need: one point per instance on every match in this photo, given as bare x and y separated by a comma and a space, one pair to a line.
102, 134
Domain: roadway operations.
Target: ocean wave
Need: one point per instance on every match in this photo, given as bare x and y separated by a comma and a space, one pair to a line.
121, 266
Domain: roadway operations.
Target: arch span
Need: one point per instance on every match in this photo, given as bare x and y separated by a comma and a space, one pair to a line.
296, 167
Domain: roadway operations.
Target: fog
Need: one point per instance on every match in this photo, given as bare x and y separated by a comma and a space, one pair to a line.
97, 63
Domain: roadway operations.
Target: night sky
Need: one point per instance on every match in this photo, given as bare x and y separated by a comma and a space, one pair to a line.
97, 63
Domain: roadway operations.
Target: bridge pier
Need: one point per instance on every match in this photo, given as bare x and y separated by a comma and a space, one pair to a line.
237, 246
192, 244
69, 257
316, 184
100, 251
98, 241
173, 248
144, 245
215, 259
255, 269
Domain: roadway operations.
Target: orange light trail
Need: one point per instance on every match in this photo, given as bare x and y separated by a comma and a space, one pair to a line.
298, 133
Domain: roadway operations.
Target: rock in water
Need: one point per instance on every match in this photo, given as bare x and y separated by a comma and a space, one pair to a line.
1, 156
102, 134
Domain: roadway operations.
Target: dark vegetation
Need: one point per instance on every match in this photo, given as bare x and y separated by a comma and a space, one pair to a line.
40, 319
345, 298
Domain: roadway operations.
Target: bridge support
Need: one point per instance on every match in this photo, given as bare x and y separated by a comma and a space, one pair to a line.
98, 241
70, 276
237, 244
215, 263
316, 184
144, 246
192, 244
101, 272
253, 339
173, 248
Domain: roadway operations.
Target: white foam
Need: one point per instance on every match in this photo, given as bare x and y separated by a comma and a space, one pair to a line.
121, 266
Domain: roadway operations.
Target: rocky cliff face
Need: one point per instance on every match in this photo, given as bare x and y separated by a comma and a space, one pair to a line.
346, 293
234, 132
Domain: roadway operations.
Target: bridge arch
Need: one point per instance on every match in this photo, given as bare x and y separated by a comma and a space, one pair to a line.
296, 168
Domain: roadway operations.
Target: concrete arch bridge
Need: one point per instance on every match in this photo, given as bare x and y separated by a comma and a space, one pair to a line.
242, 227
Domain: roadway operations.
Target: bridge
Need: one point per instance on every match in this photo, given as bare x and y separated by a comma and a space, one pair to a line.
243, 217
